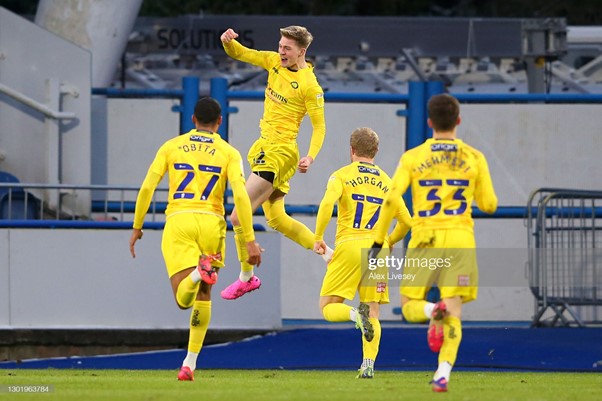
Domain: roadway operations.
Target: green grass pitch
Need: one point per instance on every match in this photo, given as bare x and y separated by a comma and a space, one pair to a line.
292, 385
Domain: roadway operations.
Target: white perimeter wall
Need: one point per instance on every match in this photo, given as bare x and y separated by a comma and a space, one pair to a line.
88, 279
528, 146
29, 60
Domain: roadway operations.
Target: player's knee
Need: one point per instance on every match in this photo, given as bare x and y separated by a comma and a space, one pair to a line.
274, 223
454, 306
324, 310
183, 307
374, 310
405, 312
274, 213
274, 217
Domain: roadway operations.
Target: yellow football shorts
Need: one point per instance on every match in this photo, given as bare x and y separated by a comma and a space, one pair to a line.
449, 261
279, 158
188, 235
347, 273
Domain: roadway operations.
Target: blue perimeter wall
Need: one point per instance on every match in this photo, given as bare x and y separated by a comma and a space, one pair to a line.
339, 348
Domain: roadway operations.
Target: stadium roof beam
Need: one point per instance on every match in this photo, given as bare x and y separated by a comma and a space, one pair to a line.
532, 43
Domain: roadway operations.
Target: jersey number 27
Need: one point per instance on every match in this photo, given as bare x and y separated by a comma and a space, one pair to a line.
205, 172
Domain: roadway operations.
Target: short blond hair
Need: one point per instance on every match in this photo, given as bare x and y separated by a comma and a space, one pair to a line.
299, 34
364, 142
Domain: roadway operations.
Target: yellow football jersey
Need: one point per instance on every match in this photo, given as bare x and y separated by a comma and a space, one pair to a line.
445, 175
289, 96
198, 164
359, 189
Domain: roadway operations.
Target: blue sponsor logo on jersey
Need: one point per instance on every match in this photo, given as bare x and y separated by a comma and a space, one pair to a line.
430, 183
444, 147
200, 138
368, 170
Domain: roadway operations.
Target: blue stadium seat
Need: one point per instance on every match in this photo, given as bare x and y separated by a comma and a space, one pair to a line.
23, 205
18, 209
7, 177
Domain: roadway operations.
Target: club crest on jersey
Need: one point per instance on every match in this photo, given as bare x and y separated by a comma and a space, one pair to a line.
444, 147
200, 138
295, 85
368, 170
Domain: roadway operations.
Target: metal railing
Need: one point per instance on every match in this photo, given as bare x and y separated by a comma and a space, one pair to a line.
565, 256
25, 205
34, 104
29, 205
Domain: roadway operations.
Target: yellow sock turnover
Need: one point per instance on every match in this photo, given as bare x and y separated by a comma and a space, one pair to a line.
186, 292
413, 311
280, 221
337, 312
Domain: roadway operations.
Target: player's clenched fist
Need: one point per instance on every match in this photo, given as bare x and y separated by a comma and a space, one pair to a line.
228, 35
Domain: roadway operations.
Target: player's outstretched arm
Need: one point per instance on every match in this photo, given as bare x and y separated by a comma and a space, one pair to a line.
228, 36
315, 110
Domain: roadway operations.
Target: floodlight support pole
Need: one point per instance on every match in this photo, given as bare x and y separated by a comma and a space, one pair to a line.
219, 91
190, 87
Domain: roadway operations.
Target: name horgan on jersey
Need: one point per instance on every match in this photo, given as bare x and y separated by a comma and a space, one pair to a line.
366, 179
392, 262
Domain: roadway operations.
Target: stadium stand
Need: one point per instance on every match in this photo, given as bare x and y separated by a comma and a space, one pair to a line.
15, 203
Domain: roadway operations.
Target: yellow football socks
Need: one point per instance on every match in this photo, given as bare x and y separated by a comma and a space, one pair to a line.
413, 311
337, 312
199, 322
452, 336
186, 292
370, 349
280, 221
241, 250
